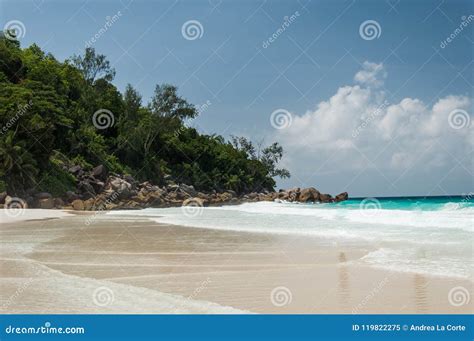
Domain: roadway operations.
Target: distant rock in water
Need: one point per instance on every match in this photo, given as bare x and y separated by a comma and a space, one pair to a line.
324, 198
341, 197
309, 194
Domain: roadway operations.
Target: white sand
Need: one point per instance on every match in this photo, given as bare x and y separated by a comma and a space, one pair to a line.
31, 286
17, 215
118, 264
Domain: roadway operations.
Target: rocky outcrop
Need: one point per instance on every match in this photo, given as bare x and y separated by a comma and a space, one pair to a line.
309, 194
78, 205
120, 186
195, 202
3, 196
98, 189
42, 195
14, 202
341, 197
46, 203
99, 172
325, 198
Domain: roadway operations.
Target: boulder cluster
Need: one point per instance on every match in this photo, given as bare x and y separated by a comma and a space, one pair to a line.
309, 194
98, 190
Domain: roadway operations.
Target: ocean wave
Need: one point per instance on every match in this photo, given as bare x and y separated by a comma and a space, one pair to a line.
320, 219
433, 241
421, 261
455, 217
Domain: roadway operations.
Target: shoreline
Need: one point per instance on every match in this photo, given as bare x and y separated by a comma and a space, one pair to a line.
115, 215
99, 191
177, 269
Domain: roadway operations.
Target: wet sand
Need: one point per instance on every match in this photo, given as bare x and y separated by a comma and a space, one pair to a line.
112, 264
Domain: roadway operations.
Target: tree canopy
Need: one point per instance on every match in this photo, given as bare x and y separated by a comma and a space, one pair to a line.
47, 112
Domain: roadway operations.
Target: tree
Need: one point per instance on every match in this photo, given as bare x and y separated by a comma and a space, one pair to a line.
271, 155
167, 104
11, 65
16, 163
94, 66
245, 145
46, 110
132, 101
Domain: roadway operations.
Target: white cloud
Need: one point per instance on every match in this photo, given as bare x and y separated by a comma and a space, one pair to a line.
372, 74
359, 128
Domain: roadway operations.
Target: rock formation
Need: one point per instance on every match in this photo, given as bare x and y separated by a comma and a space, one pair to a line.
98, 190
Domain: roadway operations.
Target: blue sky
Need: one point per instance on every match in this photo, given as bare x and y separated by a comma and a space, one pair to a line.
404, 150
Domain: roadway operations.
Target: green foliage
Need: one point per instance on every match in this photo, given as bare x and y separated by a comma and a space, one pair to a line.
269, 156
94, 66
17, 165
167, 104
12, 65
80, 161
56, 181
46, 118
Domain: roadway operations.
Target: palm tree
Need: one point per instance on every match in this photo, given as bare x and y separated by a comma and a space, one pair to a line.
17, 165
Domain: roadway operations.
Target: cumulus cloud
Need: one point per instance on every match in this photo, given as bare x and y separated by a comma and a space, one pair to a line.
372, 74
359, 127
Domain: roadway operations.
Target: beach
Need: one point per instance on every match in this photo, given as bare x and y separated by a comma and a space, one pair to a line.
69, 262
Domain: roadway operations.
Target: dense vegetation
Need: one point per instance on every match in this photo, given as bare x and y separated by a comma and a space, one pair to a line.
47, 124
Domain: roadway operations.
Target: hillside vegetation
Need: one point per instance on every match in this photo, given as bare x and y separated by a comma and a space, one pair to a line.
56, 115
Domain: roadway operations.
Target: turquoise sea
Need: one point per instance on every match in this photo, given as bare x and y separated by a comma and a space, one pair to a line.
428, 235
432, 203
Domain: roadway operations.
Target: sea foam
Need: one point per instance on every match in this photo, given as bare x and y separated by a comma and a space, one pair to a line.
426, 236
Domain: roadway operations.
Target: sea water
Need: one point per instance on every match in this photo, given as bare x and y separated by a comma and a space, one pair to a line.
430, 235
